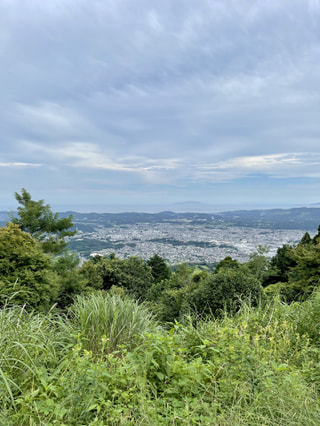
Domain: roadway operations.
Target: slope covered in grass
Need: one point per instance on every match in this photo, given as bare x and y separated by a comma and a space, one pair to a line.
107, 362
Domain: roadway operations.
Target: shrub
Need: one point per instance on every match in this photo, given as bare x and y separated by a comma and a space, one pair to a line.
26, 275
225, 291
131, 274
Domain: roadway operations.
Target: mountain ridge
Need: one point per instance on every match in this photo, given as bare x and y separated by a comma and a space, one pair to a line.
294, 218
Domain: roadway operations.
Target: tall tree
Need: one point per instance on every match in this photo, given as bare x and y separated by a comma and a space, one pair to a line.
41, 223
159, 269
305, 276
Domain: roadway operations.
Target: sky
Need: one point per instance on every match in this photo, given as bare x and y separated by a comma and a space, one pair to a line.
144, 104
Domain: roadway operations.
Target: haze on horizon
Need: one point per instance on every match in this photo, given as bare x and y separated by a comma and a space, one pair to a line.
143, 104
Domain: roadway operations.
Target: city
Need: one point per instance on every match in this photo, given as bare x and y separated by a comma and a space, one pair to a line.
180, 242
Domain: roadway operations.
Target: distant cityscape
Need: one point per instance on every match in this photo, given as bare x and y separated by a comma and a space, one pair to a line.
199, 238
178, 243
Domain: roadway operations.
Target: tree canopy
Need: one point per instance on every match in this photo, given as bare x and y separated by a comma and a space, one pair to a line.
37, 218
26, 275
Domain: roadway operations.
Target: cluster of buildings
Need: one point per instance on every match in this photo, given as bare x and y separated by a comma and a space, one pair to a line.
180, 242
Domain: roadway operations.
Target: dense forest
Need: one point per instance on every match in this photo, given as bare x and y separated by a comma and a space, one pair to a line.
120, 342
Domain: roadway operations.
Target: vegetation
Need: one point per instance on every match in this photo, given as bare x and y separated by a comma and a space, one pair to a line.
26, 274
86, 246
125, 342
39, 221
132, 274
260, 366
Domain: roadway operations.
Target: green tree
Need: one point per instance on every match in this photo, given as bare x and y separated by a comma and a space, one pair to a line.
295, 270
227, 263
26, 275
71, 283
225, 290
99, 273
41, 223
284, 261
306, 239
258, 263
304, 277
316, 238
131, 274
277, 273
159, 269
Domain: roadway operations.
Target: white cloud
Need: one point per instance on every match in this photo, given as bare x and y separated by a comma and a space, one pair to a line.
291, 165
262, 163
85, 155
17, 164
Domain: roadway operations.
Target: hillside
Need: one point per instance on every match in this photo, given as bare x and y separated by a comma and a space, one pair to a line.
297, 218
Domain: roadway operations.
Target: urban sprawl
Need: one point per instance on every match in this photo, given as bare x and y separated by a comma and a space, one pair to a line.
180, 242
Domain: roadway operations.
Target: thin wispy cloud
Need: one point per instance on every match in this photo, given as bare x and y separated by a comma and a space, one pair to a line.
20, 164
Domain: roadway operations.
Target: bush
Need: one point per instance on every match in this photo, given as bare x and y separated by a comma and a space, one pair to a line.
131, 274
225, 291
26, 275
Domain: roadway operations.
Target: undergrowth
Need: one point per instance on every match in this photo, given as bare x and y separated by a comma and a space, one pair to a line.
107, 362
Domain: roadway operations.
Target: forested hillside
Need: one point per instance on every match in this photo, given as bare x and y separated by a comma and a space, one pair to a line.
295, 218
118, 341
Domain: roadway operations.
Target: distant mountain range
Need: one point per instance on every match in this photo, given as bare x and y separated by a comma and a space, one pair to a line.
296, 218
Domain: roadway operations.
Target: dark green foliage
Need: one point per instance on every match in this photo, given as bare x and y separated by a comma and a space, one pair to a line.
316, 238
99, 273
159, 269
224, 291
280, 266
227, 263
26, 275
306, 239
305, 276
41, 223
86, 246
295, 271
182, 276
169, 296
71, 283
157, 290
204, 293
172, 305
131, 274
258, 263
199, 276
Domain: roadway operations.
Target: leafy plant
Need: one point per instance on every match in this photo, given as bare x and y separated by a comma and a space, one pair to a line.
41, 223
26, 275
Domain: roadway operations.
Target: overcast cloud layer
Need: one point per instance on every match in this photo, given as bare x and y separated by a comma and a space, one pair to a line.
147, 102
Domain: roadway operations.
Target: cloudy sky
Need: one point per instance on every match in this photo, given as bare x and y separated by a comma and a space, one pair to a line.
141, 102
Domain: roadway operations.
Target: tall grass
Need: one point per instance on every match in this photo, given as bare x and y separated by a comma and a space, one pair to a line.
265, 361
105, 321
29, 343
107, 363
